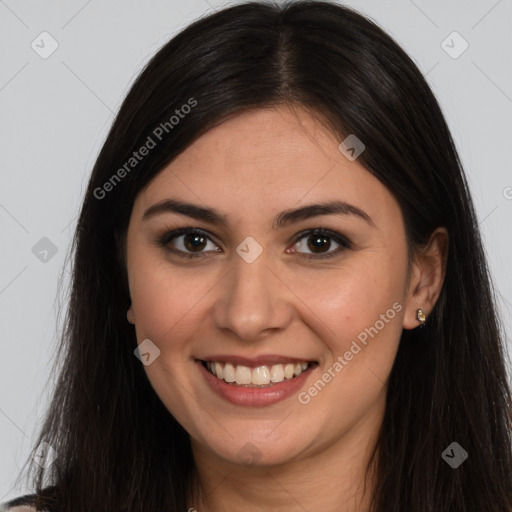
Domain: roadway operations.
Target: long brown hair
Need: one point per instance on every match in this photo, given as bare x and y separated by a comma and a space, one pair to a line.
119, 448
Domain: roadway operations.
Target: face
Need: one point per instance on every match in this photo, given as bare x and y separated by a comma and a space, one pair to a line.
256, 290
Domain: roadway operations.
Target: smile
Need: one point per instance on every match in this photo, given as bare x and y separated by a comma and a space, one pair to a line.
260, 376
255, 382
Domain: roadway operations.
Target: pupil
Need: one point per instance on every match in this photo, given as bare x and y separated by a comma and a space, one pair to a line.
194, 241
317, 242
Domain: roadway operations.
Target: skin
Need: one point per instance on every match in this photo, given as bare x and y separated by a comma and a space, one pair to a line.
252, 167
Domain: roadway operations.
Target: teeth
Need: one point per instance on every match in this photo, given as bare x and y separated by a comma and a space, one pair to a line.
289, 371
218, 370
229, 373
259, 376
243, 375
277, 373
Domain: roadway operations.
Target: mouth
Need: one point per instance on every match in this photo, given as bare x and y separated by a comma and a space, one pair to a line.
261, 376
257, 381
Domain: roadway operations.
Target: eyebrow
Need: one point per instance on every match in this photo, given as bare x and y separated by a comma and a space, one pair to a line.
285, 218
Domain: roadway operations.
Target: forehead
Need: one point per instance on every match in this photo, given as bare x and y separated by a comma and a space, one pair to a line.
263, 161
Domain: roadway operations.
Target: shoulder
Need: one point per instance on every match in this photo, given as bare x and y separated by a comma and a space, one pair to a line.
18, 508
21, 504
27, 502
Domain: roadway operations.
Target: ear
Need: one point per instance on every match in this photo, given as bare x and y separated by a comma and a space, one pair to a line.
120, 241
130, 315
427, 277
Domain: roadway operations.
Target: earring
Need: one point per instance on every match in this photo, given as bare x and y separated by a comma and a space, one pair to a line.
421, 316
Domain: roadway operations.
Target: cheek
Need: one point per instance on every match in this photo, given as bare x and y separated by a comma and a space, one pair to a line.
166, 308
364, 314
163, 301
361, 299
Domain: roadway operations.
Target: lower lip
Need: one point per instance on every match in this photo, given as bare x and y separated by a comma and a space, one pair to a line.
256, 397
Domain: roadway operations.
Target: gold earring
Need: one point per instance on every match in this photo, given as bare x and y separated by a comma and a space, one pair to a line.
420, 316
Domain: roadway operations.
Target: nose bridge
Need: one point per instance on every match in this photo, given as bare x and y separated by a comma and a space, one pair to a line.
253, 299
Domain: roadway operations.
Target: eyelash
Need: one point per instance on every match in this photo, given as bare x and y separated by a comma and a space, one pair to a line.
164, 240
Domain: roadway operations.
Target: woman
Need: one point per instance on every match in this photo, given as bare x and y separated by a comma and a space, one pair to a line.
280, 299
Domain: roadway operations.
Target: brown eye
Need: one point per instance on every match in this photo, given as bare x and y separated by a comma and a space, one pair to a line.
318, 242
193, 241
186, 242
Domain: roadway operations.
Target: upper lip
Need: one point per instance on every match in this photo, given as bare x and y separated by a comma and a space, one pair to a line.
253, 362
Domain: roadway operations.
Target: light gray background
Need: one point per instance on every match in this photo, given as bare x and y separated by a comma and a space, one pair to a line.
55, 114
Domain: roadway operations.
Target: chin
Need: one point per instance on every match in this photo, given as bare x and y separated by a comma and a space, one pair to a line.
262, 448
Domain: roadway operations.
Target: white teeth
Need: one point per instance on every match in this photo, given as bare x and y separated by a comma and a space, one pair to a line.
243, 375
218, 370
289, 371
277, 373
259, 376
229, 373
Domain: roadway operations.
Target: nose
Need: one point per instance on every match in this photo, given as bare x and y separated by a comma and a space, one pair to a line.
254, 300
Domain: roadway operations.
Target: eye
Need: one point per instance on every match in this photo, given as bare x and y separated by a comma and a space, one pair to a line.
319, 241
193, 243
